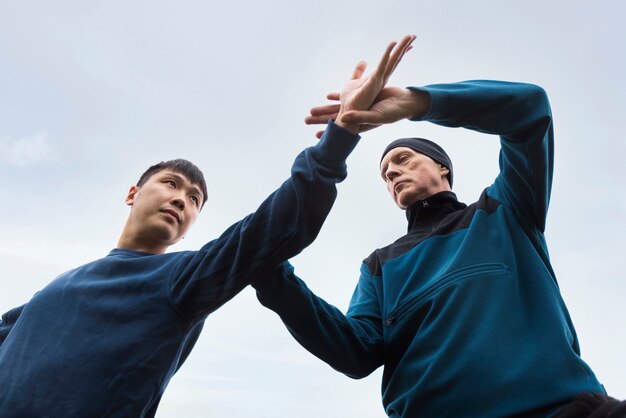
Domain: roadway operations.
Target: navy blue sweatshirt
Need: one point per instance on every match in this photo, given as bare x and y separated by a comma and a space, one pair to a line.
103, 340
464, 312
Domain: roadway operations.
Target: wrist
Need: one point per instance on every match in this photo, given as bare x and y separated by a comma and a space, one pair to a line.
419, 103
350, 127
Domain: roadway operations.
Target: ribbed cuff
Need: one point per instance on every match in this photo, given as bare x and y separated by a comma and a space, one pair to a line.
433, 99
336, 143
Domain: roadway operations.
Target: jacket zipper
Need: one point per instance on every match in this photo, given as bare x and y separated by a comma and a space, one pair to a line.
440, 284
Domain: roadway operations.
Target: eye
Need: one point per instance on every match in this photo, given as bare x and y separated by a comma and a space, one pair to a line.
170, 182
195, 200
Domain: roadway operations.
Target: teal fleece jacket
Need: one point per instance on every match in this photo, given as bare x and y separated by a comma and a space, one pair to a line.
464, 312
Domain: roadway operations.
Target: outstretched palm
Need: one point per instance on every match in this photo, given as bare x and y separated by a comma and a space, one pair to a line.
360, 93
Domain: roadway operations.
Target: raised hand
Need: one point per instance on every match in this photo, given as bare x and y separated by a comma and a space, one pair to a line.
360, 92
391, 105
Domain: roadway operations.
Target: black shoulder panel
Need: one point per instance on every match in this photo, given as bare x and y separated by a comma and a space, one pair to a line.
427, 228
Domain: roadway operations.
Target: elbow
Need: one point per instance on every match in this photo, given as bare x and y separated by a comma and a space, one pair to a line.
537, 98
359, 373
359, 366
356, 364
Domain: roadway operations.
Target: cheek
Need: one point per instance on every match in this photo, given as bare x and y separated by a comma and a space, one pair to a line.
191, 218
426, 177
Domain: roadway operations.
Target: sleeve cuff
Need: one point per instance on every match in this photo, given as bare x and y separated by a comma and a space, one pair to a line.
433, 99
336, 143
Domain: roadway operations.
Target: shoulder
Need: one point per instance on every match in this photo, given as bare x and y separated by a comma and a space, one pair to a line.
449, 224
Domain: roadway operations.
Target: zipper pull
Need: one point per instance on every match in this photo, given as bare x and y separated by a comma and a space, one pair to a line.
390, 321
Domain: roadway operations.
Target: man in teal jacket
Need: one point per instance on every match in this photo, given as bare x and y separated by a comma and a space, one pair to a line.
464, 311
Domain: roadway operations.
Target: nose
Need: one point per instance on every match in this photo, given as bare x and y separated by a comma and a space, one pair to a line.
178, 202
392, 172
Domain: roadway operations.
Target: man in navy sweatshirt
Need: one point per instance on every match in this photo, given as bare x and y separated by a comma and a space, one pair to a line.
104, 339
463, 312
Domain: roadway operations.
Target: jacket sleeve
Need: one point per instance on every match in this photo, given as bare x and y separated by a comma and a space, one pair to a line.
285, 223
8, 320
350, 343
520, 114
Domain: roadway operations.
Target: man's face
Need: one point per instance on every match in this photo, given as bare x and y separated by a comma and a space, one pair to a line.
163, 209
411, 176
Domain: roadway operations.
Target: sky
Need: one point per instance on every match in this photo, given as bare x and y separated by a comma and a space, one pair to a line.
92, 93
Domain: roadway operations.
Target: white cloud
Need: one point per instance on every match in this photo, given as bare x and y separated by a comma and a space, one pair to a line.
26, 151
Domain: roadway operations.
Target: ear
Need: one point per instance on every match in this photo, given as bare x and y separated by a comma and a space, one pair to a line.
132, 194
443, 170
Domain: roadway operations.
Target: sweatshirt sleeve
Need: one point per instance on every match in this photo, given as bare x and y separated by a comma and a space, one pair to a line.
283, 225
520, 114
8, 320
352, 343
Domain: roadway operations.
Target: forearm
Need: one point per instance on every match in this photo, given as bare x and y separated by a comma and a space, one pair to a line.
284, 224
351, 345
508, 109
520, 113
291, 217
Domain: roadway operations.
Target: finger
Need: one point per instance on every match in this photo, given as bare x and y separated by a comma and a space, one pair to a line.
398, 54
324, 110
404, 46
359, 70
409, 45
382, 64
333, 96
362, 117
319, 120
319, 134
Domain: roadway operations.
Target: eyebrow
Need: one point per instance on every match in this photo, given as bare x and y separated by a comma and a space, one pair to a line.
385, 162
392, 157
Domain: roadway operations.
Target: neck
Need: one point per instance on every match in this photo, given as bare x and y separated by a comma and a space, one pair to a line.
435, 206
133, 240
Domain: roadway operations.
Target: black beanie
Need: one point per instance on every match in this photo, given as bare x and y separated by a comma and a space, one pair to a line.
426, 147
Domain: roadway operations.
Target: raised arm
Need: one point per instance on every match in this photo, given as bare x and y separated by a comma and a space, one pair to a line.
290, 218
519, 113
351, 343
391, 105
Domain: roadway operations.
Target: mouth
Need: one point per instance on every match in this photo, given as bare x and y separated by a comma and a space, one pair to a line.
397, 186
173, 214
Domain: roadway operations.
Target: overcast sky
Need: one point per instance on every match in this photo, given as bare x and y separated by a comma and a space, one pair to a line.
91, 93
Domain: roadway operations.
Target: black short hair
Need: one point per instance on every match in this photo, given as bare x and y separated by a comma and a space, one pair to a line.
181, 166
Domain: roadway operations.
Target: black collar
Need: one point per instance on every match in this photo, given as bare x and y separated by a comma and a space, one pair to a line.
436, 206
